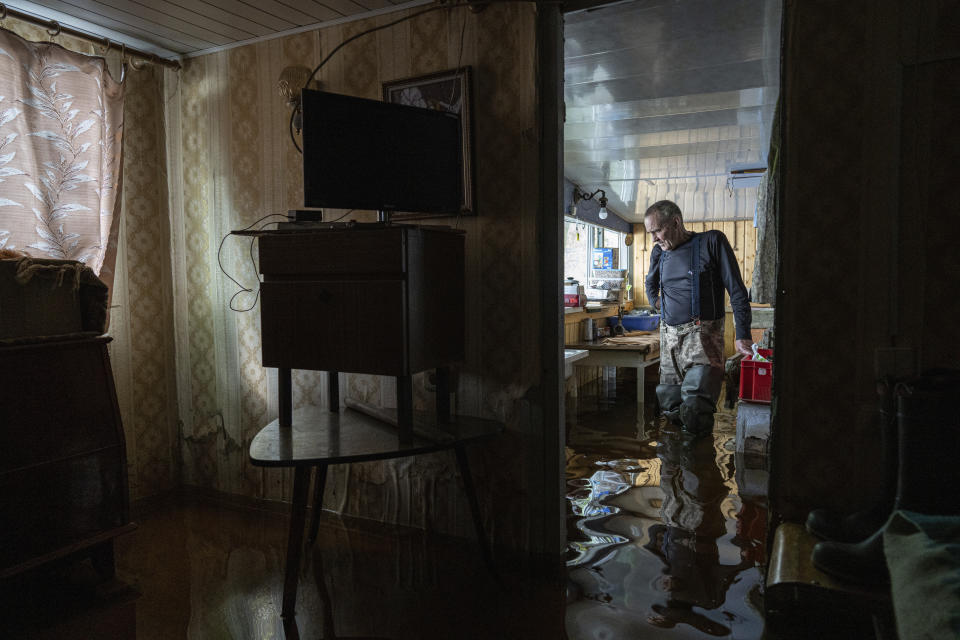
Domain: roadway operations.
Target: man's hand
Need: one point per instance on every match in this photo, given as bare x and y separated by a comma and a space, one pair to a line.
744, 347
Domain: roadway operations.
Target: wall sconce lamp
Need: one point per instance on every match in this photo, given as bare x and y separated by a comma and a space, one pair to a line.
289, 84
579, 195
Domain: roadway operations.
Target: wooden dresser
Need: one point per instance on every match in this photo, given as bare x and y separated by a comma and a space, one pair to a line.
63, 465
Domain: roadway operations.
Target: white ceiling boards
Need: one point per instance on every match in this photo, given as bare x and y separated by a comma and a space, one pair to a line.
665, 98
173, 28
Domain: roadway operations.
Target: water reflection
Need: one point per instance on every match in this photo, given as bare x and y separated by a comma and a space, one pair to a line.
686, 541
662, 545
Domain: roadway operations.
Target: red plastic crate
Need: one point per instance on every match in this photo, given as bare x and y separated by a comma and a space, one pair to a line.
756, 378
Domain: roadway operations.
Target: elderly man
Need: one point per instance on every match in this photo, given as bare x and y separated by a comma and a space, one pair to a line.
686, 280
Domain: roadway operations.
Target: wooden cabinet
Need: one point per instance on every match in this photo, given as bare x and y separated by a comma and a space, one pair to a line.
380, 299
63, 470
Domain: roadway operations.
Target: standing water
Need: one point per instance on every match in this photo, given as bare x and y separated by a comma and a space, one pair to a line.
662, 543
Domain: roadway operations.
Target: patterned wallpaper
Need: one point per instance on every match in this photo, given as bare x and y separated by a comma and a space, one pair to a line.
142, 317
208, 151
232, 163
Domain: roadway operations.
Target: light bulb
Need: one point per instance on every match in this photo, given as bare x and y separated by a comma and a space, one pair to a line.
603, 213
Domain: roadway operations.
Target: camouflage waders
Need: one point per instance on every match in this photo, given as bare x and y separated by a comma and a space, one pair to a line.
691, 372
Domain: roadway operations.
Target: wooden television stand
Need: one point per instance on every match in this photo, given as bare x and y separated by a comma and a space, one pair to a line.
379, 299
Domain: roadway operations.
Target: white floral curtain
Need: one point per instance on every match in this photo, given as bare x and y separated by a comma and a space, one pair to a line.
61, 121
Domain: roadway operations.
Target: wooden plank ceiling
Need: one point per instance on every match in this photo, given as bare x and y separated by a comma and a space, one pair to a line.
182, 28
664, 98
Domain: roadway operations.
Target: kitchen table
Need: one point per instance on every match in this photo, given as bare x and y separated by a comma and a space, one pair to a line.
638, 351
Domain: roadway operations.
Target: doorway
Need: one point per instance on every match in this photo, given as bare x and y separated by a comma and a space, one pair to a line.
664, 101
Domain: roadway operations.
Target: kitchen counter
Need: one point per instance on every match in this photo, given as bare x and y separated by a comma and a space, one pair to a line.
576, 314
569, 357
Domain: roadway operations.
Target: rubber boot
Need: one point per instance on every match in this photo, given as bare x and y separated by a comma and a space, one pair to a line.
700, 391
860, 525
928, 477
929, 419
668, 396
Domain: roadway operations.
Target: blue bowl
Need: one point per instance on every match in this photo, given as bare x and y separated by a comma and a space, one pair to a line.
639, 323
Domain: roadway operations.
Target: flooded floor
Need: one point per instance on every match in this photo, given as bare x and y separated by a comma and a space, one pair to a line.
663, 542
199, 569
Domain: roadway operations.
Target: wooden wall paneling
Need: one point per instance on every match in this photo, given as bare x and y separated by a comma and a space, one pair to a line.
744, 238
750, 251
639, 263
740, 233
739, 241
728, 227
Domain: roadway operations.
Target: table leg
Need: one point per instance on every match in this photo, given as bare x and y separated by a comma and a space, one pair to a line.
405, 409
333, 387
443, 395
319, 484
298, 515
285, 394
641, 375
474, 506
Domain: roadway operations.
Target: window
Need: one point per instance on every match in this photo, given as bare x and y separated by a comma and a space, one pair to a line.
588, 246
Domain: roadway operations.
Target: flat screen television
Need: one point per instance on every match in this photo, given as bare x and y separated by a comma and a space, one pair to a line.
367, 154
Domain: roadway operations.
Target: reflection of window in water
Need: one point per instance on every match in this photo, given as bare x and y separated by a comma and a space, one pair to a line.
442, 96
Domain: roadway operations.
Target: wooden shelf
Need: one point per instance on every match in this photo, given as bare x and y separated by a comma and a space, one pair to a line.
606, 311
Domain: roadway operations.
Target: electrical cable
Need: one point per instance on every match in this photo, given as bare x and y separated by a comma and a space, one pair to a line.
343, 216
364, 33
244, 289
463, 28
456, 72
454, 5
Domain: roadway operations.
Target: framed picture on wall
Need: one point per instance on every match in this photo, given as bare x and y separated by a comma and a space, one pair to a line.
447, 91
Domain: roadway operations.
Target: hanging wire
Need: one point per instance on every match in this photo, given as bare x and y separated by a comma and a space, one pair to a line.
355, 36
454, 85
343, 216
243, 289
454, 5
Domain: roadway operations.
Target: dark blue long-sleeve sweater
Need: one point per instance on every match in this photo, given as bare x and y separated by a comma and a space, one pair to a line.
718, 271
